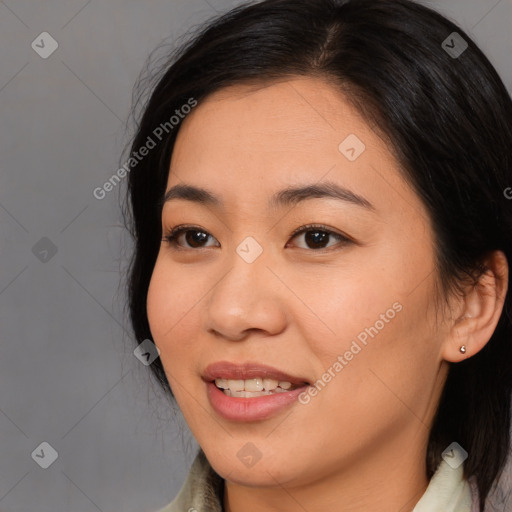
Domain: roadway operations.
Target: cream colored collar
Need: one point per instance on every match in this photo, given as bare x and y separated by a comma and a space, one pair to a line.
448, 492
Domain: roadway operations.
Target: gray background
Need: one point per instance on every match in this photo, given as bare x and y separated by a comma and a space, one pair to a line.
68, 375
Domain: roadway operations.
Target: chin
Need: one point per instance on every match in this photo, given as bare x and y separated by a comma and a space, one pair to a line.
265, 472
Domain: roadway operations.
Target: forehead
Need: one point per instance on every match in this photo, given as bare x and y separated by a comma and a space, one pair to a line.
275, 116
247, 141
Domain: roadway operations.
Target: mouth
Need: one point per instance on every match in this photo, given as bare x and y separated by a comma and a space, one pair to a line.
250, 392
252, 378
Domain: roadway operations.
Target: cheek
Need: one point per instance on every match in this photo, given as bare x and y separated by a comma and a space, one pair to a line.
159, 303
341, 305
373, 331
173, 322
171, 306
378, 385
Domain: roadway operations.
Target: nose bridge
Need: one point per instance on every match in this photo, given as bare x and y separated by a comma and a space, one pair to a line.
249, 250
246, 296
245, 265
246, 277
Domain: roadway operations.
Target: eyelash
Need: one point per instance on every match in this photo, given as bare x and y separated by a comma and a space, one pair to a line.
172, 235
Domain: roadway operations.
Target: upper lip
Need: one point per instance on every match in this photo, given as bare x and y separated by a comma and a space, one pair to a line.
232, 371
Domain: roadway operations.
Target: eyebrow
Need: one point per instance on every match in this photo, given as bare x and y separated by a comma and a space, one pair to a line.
285, 197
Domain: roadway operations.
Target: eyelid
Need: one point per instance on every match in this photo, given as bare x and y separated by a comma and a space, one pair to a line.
319, 227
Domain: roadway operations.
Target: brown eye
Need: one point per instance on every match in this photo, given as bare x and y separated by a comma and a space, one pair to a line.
194, 238
318, 237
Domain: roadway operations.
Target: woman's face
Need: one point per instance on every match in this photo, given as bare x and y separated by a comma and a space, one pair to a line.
347, 304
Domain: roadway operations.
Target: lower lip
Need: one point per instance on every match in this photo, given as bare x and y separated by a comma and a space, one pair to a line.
250, 409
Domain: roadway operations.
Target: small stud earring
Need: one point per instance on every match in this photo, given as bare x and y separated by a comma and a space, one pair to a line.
463, 349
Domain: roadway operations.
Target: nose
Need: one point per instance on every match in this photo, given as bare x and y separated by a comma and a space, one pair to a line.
248, 298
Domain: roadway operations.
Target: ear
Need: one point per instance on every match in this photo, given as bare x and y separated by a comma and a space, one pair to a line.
479, 311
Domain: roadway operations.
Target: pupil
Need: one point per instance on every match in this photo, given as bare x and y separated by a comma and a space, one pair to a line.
195, 239
318, 237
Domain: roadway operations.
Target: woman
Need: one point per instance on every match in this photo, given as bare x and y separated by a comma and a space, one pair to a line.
322, 237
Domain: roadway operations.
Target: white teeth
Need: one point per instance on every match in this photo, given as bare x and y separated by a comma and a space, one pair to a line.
222, 383
252, 387
270, 384
236, 385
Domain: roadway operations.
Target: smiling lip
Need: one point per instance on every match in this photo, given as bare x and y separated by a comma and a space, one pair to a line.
249, 409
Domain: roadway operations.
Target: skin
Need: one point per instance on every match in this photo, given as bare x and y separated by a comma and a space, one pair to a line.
360, 444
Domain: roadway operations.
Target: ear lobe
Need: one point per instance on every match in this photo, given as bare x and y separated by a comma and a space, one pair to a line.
482, 308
